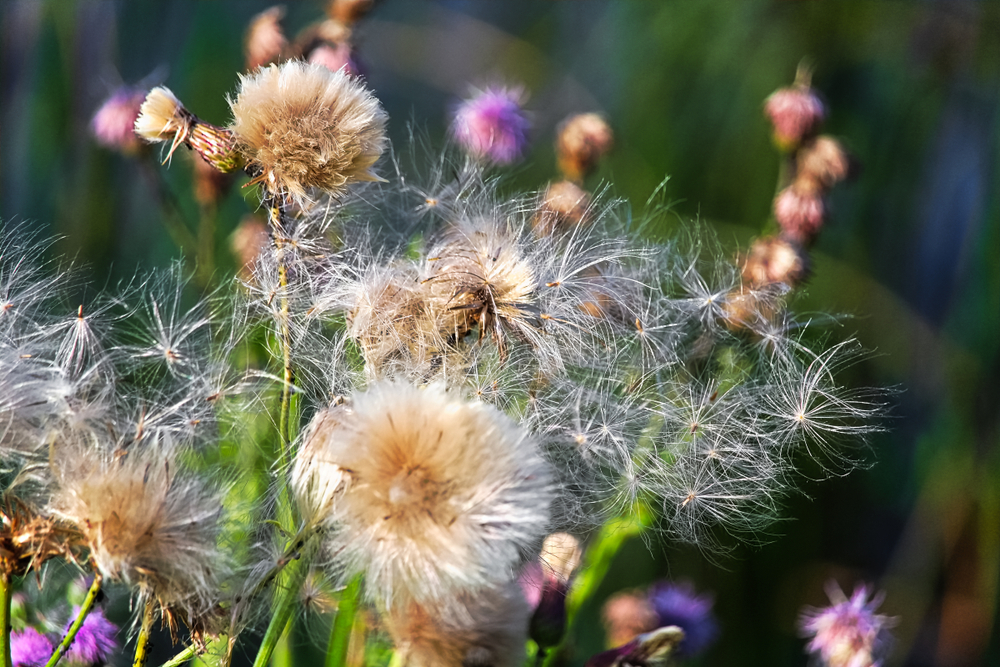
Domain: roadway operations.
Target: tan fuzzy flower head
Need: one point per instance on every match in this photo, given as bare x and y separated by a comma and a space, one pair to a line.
305, 127
428, 494
146, 524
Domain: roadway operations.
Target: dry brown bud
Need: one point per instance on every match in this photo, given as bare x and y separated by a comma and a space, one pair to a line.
823, 160
775, 260
563, 206
265, 39
627, 615
582, 141
348, 12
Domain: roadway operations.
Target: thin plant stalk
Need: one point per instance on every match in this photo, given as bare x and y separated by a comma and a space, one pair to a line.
340, 634
6, 589
182, 657
142, 641
285, 597
88, 604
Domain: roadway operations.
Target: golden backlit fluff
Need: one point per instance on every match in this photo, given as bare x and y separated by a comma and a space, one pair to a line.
162, 117
428, 494
492, 630
146, 524
304, 127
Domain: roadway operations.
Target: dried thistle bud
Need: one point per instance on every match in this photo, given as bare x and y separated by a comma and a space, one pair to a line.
348, 12
247, 242
627, 615
163, 118
581, 142
430, 495
114, 123
775, 260
302, 126
796, 113
563, 206
800, 212
486, 628
822, 160
265, 39
491, 125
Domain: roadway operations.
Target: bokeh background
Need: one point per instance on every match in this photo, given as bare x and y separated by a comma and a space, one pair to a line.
911, 255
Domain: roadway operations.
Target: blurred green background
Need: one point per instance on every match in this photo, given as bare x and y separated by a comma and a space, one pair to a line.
912, 252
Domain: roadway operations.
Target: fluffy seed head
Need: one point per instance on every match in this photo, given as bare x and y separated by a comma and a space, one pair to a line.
491, 125
848, 633
145, 524
114, 123
489, 631
162, 117
582, 141
305, 127
428, 494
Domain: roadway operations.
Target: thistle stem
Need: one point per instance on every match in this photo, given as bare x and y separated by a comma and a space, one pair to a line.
6, 590
142, 641
285, 596
181, 657
88, 604
340, 634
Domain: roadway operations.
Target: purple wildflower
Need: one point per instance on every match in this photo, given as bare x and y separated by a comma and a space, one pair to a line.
848, 633
492, 125
114, 123
678, 604
95, 643
29, 648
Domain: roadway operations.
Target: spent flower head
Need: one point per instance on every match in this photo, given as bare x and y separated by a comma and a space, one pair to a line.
429, 494
301, 126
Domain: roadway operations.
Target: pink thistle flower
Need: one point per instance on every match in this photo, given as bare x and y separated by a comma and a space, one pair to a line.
114, 123
95, 642
335, 57
848, 633
492, 125
796, 113
29, 648
800, 213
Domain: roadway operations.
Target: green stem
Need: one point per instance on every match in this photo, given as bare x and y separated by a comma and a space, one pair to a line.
6, 591
282, 655
181, 657
142, 641
286, 594
340, 634
88, 604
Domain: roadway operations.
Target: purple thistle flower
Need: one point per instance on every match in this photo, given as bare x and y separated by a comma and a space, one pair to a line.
492, 125
678, 604
95, 643
848, 633
114, 123
29, 648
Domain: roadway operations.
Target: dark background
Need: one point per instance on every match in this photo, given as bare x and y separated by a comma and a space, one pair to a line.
912, 252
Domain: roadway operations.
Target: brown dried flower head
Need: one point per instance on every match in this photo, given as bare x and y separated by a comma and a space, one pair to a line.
563, 206
824, 161
582, 141
302, 126
265, 40
775, 260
